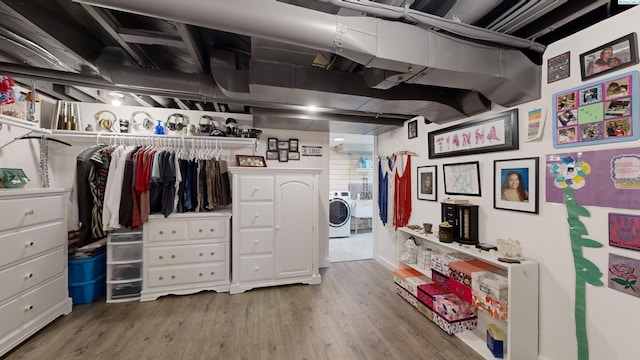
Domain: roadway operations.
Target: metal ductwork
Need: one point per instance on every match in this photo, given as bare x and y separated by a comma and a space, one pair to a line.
423, 57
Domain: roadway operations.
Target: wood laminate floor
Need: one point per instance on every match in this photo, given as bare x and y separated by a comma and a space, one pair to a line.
353, 314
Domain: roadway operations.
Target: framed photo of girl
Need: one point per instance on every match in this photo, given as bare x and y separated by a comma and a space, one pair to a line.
515, 184
427, 183
612, 56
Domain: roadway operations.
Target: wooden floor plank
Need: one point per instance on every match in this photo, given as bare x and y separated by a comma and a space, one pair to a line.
354, 314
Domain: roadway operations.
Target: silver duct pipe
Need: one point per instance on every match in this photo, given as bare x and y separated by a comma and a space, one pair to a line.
369, 41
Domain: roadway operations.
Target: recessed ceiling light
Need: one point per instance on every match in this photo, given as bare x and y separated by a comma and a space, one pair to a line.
338, 139
312, 108
116, 102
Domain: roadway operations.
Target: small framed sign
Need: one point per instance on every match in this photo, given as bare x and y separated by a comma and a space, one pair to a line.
558, 67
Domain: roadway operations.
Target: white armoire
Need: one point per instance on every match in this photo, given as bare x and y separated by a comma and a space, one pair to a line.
274, 227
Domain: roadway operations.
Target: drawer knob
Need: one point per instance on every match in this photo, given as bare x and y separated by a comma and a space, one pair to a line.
28, 276
212, 230
256, 268
201, 254
160, 257
29, 212
257, 214
173, 256
277, 227
160, 278
256, 242
212, 253
199, 230
256, 188
213, 273
173, 276
161, 232
28, 308
28, 244
200, 274
173, 231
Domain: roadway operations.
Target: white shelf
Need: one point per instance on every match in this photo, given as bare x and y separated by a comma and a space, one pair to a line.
521, 329
364, 169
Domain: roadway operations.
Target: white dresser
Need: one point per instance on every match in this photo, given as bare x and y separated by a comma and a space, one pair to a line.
185, 254
275, 227
33, 262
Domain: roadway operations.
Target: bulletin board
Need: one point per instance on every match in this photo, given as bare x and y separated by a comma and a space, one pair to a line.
600, 112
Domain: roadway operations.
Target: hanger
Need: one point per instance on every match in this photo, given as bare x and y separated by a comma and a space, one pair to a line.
406, 152
39, 137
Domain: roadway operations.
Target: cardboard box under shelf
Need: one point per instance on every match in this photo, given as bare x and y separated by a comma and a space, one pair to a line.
454, 327
426, 292
406, 295
452, 308
400, 275
412, 283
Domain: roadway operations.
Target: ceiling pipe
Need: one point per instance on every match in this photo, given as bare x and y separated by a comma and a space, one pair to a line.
366, 40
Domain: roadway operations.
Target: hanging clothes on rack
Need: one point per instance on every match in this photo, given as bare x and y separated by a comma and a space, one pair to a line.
383, 192
84, 165
402, 195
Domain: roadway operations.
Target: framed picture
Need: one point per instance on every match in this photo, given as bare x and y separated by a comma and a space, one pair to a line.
624, 230
293, 145
462, 178
283, 144
412, 129
515, 184
272, 145
603, 111
427, 182
294, 155
283, 155
250, 161
496, 133
272, 155
558, 67
612, 56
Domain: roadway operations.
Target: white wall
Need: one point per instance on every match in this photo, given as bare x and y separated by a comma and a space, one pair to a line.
612, 316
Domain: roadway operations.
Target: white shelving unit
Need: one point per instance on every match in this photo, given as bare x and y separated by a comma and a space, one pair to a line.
521, 328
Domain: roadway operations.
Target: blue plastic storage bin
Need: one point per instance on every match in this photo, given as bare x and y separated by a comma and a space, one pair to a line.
87, 292
86, 270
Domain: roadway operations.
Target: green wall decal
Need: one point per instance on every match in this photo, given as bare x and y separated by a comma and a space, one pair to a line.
570, 175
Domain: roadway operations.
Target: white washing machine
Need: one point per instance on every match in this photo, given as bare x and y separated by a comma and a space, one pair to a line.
339, 214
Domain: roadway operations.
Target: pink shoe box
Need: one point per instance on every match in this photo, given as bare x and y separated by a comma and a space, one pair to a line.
427, 291
406, 295
452, 308
497, 309
440, 262
440, 279
462, 270
459, 289
456, 326
411, 284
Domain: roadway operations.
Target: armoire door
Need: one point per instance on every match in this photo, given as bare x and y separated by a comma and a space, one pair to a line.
295, 206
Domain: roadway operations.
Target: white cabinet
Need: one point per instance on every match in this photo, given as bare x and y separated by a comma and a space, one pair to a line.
33, 262
185, 254
275, 227
521, 327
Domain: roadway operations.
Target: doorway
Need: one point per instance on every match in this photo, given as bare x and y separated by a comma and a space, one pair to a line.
351, 179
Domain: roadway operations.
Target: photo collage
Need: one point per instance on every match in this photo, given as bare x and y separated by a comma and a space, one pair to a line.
601, 112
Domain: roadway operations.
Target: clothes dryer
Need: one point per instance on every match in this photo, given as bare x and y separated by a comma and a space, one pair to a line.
339, 214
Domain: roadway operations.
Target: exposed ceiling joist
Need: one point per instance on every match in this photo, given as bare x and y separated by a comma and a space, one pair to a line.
194, 46
148, 37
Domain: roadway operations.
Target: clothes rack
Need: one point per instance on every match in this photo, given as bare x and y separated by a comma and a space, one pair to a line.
22, 124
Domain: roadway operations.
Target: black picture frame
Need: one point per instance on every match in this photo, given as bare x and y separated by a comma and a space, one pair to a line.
293, 145
424, 191
412, 129
272, 155
498, 132
272, 144
559, 67
283, 155
294, 155
524, 172
625, 49
462, 178
283, 145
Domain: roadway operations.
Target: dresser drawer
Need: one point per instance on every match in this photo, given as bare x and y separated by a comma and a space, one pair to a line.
256, 268
208, 229
185, 274
256, 215
187, 254
255, 241
30, 305
254, 188
31, 211
24, 243
28, 274
165, 231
